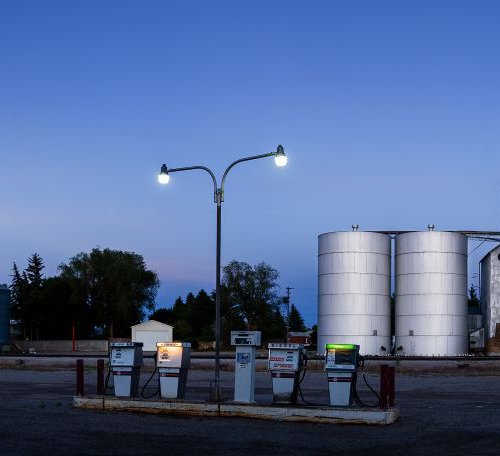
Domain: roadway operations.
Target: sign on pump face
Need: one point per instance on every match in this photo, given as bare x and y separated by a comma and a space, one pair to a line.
283, 359
122, 356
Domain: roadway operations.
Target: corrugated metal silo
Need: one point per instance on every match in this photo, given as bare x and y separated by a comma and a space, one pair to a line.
431, 293
354, 274
4, 315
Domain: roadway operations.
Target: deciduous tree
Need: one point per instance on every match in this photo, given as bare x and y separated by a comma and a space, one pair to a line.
115, 285
253, 294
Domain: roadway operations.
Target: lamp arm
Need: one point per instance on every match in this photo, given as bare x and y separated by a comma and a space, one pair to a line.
204, 168
254, 157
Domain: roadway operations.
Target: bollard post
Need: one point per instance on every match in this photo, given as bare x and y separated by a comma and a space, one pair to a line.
79, 377
100, 377
391, 385
384, 383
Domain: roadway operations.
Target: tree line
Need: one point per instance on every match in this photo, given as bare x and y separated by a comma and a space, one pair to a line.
104, 292
101, 294
250, 299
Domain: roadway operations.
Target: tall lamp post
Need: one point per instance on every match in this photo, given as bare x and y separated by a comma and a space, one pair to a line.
163, 178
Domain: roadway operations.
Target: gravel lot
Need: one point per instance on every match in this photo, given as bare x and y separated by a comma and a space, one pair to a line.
451, 411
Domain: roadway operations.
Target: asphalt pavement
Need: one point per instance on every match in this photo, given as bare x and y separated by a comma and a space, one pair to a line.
441, 413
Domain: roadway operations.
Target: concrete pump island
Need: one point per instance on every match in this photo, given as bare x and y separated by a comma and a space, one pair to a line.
287, 365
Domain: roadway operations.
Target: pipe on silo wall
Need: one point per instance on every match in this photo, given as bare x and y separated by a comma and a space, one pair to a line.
431, 293
354, 277
4, 315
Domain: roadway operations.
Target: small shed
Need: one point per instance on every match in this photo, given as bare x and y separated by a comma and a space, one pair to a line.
150, 332
300, 337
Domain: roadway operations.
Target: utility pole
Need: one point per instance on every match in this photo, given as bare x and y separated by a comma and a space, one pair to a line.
288, 313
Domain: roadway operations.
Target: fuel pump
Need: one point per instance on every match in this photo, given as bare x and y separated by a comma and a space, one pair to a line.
285, 363
126, 362
244, 367
173, 361
341, 363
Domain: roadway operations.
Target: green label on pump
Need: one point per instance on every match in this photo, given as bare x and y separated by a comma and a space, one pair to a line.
340, 346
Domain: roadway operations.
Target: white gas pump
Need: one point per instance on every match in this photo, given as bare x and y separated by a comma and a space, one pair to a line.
285, 364
172, 361
341, 361
126, 362
244, 368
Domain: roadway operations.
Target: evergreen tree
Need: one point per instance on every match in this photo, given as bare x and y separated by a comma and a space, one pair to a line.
26, 289
202, 316
314, 338
296, 321
37, 309
17, 293
179, 309
473, 300
163, 315
182, 327
274, 327
34, 271
188, 309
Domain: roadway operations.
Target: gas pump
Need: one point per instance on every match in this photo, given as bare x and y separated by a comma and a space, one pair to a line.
126, 362
341, 361
244, 367
172, 361
285, 364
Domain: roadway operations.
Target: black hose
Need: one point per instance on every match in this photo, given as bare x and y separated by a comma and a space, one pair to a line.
356, 397
146, 384
307, 402
106, 381
303, 374
300, 389
370, 388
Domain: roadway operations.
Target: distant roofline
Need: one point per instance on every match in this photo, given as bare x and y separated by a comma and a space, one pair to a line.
151, 321
493, 236
489, 253
468, 233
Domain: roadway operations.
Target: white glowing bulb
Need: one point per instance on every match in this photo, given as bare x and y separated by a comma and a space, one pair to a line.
163, 178
280, 160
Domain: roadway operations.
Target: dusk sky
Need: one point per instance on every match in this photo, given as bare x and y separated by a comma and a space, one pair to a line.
389, 112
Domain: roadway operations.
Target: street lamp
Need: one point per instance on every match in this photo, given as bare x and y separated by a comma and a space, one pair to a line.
280, 158
163, 178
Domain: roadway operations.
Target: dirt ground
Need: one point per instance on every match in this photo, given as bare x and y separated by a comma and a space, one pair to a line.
444, 410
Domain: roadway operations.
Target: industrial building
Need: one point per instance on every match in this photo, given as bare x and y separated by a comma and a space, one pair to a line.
490, 297
430, 290
431, 293
354, 290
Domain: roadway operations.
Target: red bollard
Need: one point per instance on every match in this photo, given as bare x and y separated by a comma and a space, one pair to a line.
100, 376
79, 377
384, 386
392, 385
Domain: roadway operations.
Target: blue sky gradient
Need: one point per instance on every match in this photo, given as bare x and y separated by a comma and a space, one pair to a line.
389, 112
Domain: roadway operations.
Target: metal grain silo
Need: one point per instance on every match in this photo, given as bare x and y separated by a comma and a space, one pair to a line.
354, 274
431, 293
4, 315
